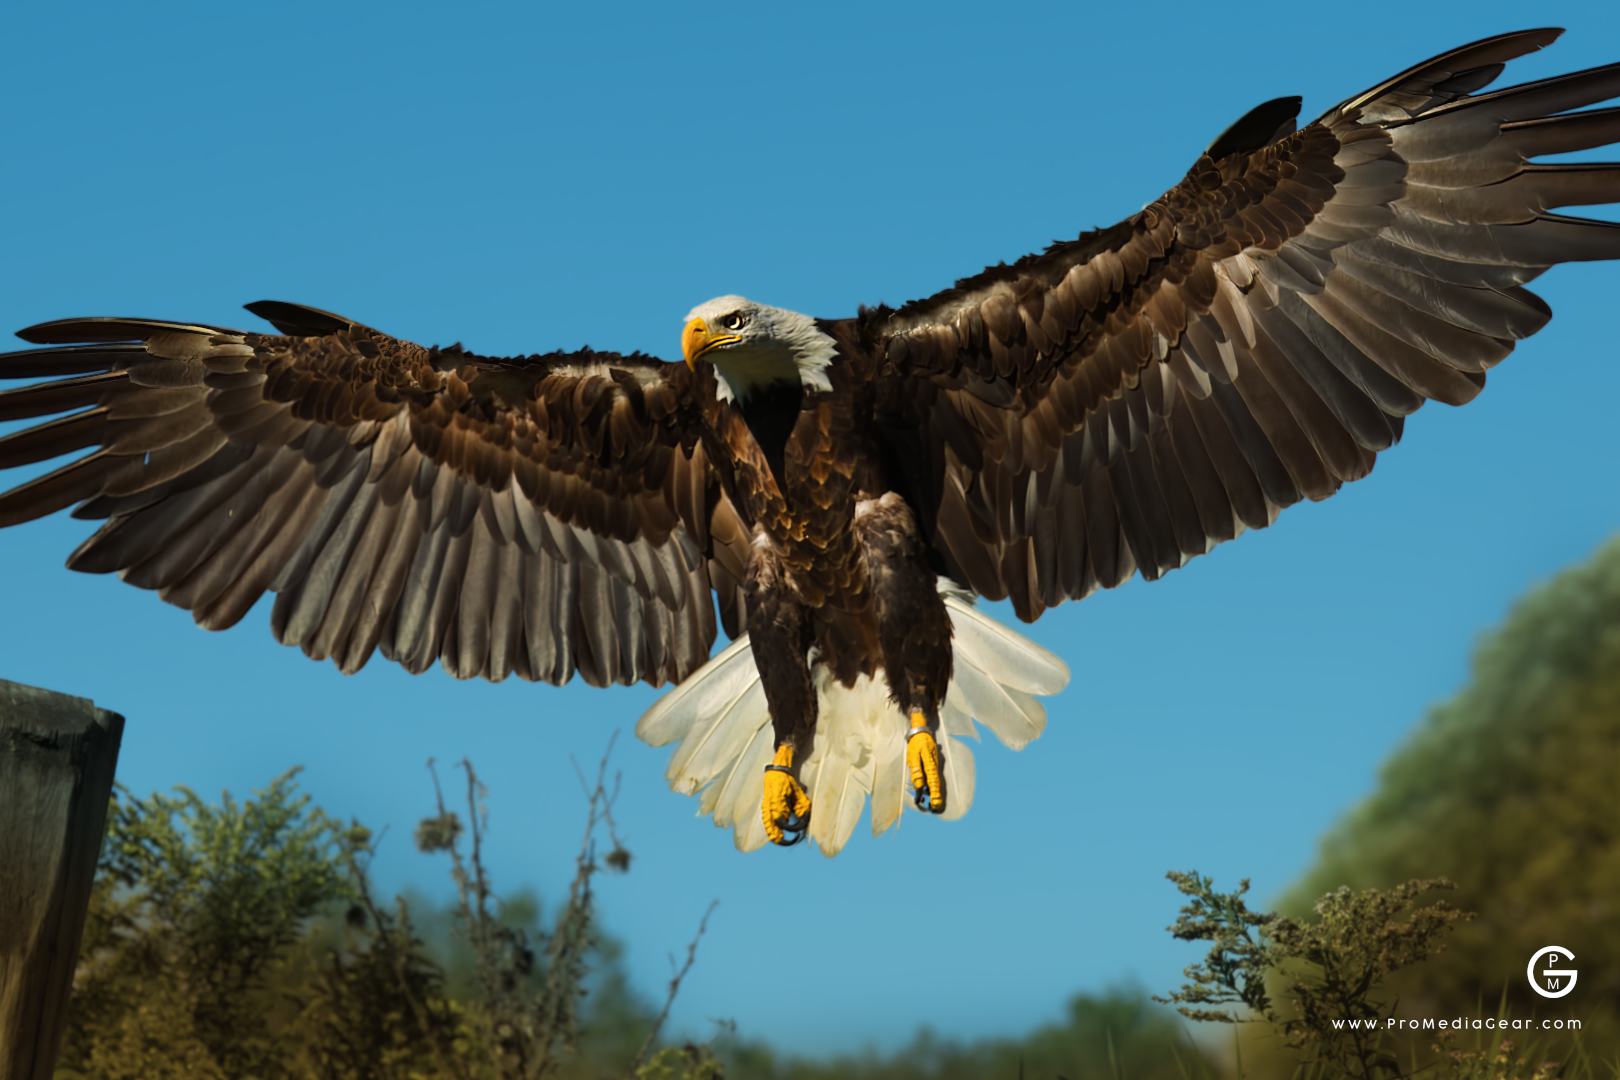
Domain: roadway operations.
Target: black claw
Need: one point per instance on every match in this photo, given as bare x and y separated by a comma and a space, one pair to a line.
795, 826
925, 801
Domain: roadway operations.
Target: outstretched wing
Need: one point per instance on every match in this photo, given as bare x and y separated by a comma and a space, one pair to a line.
1132, 398
536, 516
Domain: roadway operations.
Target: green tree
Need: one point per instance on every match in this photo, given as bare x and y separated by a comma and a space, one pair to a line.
192, 921
1119, 1035
373, 1005
1329, 971
1315, 996
1511, 789
617, 1018
243, 941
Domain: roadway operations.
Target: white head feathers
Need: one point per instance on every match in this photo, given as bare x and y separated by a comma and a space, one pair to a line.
752, 346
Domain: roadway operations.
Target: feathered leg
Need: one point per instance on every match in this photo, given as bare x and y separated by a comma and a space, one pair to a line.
914, 632
779, 630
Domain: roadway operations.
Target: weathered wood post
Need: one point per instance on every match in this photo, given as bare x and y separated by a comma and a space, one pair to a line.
57, 755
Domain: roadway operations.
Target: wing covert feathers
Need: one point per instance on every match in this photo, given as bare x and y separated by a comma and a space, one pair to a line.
719, 719
540, 516
1128, 400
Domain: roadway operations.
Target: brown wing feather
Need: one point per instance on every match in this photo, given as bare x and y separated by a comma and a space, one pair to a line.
1130, 399
534, 516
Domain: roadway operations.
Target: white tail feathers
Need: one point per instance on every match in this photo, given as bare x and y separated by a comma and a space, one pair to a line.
719, 717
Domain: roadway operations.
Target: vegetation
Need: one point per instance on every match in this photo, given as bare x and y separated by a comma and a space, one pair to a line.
244, 939
1332, 974
1119, 1034
1510, 789
191, 922
206, 957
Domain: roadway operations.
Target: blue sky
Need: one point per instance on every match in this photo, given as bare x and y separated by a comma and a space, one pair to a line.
527, 177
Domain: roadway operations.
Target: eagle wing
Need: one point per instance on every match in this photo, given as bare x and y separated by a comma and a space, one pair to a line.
1127, 400
534, 516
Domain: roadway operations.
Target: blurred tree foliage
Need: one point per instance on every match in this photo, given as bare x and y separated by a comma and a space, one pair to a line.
1512, 790
1119, 1034
193, 922
242, 941
1315, 994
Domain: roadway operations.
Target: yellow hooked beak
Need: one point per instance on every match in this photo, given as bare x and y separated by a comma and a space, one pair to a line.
695, 341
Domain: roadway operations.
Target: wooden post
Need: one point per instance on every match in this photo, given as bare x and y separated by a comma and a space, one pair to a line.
57, 756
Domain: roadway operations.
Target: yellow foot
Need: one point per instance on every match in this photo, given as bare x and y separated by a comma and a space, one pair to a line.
922, 758
786, 807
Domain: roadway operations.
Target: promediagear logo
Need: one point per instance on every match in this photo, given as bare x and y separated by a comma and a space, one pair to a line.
1553, 980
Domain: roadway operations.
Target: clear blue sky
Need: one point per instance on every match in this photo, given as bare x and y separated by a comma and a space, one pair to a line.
526, 177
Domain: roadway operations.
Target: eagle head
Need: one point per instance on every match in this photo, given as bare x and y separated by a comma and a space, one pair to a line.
753, 346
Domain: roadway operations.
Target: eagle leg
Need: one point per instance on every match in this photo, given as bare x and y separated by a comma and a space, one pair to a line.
914, 633
922, 759
779, 630
786, 806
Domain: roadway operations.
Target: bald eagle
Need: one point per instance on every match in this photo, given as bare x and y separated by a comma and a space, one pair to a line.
839, 489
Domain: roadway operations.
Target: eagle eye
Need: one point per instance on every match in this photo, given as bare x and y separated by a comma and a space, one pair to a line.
733, 321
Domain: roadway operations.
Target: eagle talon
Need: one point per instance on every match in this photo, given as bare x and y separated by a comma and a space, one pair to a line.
922, 758
785, 806
792, 826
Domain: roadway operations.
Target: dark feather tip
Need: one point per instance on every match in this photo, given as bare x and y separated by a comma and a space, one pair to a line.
296, 320
1259, 128
68, 360
107, 329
